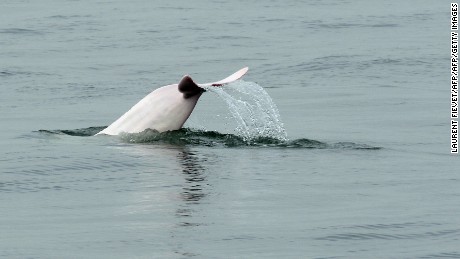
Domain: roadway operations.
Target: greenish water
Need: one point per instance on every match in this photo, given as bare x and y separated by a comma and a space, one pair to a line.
191, 137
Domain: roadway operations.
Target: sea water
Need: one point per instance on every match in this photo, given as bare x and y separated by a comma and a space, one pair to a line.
356, 164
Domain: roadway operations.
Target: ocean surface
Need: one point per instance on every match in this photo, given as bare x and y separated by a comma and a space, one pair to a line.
356, 164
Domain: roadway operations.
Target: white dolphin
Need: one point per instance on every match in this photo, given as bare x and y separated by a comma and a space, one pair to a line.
166, 108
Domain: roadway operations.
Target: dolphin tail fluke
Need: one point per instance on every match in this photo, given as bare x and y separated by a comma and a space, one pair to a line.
188, 87
235, 76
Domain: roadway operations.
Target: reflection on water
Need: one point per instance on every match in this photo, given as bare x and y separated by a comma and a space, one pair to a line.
175, 196
194, 176
193, 189
190, 166
192, 193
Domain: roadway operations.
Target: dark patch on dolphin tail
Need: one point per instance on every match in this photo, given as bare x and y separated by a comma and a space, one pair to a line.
189, 88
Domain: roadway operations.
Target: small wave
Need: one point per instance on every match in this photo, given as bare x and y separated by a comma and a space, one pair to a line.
194, 137
375, 236
11, 73
183, 137
319, 24
452, 254
83, 132
20, 31
6, 73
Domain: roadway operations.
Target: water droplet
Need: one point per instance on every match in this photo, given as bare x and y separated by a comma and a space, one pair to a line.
253, 109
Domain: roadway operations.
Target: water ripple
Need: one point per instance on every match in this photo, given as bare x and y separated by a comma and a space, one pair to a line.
374, 236
443, 255
195, 137
20, 31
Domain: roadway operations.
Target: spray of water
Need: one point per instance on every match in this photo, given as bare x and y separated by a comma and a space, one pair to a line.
253, 109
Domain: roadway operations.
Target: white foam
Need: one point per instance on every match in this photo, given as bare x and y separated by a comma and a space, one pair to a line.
253, 109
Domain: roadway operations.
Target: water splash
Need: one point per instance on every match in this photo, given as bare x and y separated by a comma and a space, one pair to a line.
253, 109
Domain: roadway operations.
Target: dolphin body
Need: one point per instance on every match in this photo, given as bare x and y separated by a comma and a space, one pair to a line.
166, 108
